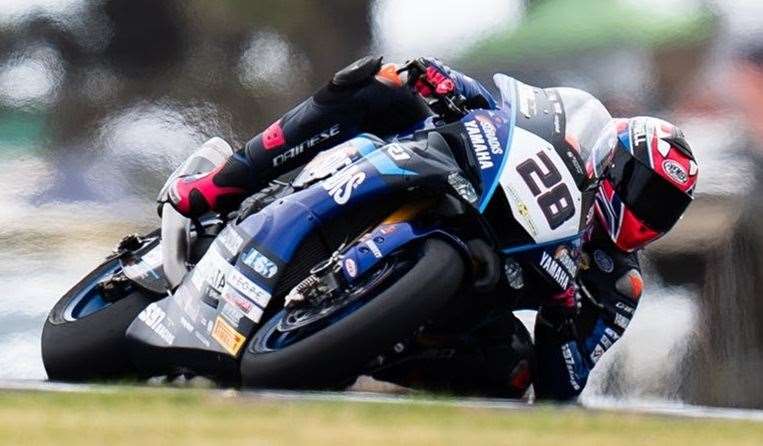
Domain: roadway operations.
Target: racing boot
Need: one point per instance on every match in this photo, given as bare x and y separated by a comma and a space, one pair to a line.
220, 190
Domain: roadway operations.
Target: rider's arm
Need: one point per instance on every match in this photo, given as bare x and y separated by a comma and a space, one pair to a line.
364, 97
567, 353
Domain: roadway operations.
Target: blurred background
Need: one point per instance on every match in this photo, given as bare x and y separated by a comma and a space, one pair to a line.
101, 99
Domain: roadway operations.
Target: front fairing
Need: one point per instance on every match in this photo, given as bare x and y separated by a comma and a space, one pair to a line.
222, 300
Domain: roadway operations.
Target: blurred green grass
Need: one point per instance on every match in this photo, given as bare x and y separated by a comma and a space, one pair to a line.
193, 417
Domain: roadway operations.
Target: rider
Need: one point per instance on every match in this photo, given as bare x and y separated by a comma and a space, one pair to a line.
647, 185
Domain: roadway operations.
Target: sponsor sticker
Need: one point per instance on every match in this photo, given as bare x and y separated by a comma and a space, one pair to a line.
621, 321
227, 336
351, 267
569, 361
479, 144
555, 270
341, 185
295, 151
563, 257
259, 263
249, 289
232, 314
231, 240
153, 316
233, 297
603, 261
374, 248
675, 171
596, 354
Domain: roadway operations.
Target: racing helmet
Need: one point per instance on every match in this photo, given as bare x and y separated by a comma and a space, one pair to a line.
647, 180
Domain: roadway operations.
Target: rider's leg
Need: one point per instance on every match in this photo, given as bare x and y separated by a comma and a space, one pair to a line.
364, 97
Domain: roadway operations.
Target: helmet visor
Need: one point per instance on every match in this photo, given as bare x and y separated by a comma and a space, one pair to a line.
657, 203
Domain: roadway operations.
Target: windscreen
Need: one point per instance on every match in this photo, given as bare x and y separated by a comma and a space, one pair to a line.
589, 123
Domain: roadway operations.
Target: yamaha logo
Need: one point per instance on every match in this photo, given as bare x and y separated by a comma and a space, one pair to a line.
675, 171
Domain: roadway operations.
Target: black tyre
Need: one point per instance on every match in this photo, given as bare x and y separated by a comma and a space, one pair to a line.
336, 353
84, 335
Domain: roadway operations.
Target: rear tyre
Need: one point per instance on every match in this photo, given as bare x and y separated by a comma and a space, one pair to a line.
84, 335
335, 354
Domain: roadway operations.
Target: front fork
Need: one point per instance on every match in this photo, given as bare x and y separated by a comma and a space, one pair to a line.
399, 229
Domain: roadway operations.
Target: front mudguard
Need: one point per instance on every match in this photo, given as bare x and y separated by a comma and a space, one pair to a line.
387, 238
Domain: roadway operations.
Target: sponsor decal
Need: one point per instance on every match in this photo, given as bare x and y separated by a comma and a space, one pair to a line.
153, 316
563, 257
341, 185
555, 270
398, 152
522, 209
675, 171
514, 275
621, 321
479, 144
612, 334
528, 106
210, 269
388, 229
259, 263
227, 336
596, 354
230, 240
233, 297
247, 288
569, 361
297, 150
603, 261
187, 325
625, 308
203, 339
558, 113
605, 342
231, 313
374, 249
351, 267
187, 302
639, 133
463, 187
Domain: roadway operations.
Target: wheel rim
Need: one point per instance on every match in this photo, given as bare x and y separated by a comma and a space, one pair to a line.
90, 299
288, 327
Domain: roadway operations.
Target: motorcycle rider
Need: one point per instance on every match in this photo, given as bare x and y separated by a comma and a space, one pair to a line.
646, 186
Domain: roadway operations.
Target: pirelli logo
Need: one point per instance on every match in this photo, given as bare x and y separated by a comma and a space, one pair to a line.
227, 336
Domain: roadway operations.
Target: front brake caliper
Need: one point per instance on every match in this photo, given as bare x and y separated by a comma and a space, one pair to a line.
321, 284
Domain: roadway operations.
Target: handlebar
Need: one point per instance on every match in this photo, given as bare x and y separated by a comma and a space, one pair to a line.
449, 106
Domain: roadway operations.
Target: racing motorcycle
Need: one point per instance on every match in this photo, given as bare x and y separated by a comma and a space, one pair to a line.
321, 275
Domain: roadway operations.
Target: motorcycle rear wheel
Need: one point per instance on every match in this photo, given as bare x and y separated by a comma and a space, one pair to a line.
337, 353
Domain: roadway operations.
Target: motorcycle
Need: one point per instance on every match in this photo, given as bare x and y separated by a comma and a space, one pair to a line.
322, 275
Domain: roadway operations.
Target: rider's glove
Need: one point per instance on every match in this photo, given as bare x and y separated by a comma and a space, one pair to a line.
566, 302
442, 80
437, 76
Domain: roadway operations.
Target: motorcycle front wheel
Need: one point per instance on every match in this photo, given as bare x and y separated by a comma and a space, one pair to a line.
328, 348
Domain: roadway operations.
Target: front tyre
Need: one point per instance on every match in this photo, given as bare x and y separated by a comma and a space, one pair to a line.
336, 353
84, 334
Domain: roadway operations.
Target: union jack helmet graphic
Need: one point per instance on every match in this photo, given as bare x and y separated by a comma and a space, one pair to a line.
648, 182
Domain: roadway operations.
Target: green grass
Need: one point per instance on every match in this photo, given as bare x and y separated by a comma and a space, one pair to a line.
189, 417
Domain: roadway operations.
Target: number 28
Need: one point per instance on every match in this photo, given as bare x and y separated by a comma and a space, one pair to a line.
552, 194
